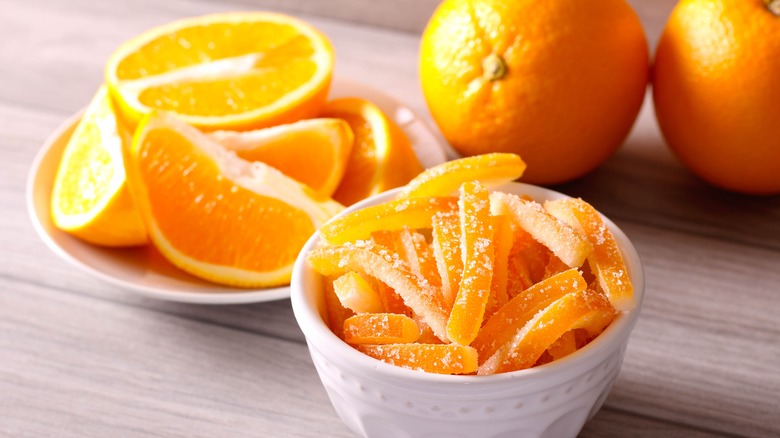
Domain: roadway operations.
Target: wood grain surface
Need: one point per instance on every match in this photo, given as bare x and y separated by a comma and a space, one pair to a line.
80, 358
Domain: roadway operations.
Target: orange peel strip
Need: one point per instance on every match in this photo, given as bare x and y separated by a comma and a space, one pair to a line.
502, 245
416, 251
376, 261
605, 261
446, 251
502, 326
476, 248
431, 358
586, 309
334, 310
392, 302
564, 242
390, 216
446, 178
380, 328
356, 293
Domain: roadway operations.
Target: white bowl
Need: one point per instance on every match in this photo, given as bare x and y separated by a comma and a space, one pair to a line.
376, 399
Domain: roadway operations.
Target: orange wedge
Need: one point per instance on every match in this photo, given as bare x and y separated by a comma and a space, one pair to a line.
586, 309
215, 215
313, 152
224, 71
90, 198
432, 358
389, 216
605, 261
380, 328
382, 157
446, 178
476, 248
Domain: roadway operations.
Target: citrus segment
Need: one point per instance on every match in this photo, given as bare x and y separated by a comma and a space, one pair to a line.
476, 249
370, 259
446, 178
381, 158
224, 71
582, 309
431, 358
501, 327
530, 216
357, 294
90, 198
380, 328
217, 216
390, 216
313, 152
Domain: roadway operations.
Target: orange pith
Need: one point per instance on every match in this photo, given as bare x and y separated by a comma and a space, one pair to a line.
168, 164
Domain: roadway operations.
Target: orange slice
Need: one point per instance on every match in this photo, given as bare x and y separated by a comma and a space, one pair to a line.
501, 327
355, 293
90, 198
477, 252
313, 152
382, 157
446, 251
432, 358
215, 215
446, 178
530, 216
380, 328
370, 259
606, 261
224, 71
586, 309
389, 216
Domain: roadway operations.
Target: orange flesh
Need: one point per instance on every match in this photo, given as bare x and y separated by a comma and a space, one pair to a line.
432, 358
477, 253
213, 42
511, 318
169, 163
380, 328
362, 159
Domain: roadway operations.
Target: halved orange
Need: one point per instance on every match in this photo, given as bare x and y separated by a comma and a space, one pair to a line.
382, 157
314, 151
90, 198
224, 71
215, 215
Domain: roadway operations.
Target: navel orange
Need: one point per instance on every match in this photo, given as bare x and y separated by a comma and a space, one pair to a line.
557, 82
717, 94
215, 215
224, 71
382, 157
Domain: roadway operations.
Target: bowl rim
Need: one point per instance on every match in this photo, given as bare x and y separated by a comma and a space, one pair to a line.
319, 336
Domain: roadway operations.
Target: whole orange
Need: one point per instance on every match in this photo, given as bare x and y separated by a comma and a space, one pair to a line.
716, 89
558, 82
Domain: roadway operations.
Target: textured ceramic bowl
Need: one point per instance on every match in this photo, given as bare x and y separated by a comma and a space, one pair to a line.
376, 399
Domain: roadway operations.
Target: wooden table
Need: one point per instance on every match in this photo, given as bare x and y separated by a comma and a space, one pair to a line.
81, 358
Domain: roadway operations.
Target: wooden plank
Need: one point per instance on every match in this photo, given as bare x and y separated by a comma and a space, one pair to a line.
610, 423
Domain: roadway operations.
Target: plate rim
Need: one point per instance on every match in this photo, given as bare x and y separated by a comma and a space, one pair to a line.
226, 296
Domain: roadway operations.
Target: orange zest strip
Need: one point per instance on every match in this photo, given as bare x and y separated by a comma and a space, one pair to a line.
554, 266
380, 328
390, 216
568, 245
502, 245
431, 358
512, 317
370, 259
356, 293
335, 311
605, 261
586, 309
445, 179
477, 251
564, 346
392, 302
446, 251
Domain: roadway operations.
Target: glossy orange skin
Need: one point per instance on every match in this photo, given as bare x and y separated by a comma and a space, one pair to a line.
575, 80
716, 90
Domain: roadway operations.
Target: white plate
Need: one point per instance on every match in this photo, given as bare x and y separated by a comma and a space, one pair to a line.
144, 270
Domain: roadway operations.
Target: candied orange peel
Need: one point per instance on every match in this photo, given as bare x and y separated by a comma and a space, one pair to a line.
475, 283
